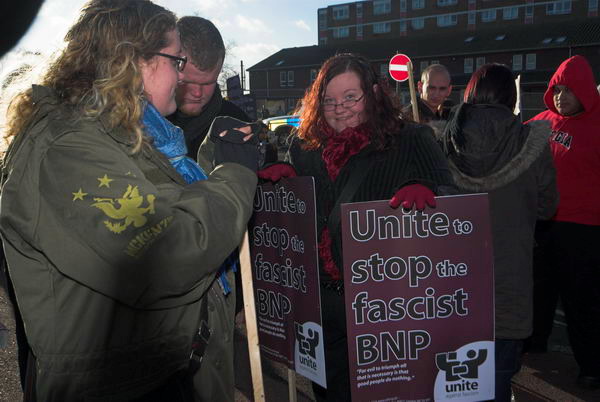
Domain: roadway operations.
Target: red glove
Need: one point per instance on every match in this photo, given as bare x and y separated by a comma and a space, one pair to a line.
413, 194
277, 171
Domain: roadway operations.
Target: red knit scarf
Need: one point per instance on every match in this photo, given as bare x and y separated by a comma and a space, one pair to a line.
340, 147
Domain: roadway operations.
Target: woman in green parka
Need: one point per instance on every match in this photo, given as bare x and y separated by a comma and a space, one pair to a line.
114, 240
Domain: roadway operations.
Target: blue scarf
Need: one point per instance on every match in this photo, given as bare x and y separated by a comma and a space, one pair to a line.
169, 140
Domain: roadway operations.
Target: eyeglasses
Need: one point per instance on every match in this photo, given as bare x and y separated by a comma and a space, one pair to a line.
179, 62
329, 105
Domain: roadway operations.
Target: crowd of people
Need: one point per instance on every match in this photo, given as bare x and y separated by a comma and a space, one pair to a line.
129, 182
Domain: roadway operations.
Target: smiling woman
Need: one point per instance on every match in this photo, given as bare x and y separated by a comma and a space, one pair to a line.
352, 140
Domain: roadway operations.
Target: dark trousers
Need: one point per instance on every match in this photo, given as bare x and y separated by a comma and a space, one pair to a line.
567, 265
508, 363
336, 348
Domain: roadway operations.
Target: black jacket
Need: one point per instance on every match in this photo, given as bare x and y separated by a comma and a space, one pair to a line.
490, 150
425, 113
195, 128
415, 158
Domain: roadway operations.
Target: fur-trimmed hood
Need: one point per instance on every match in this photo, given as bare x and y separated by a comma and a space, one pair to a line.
488, 147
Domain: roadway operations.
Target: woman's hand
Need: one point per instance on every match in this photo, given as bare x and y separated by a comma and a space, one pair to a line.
277, 171
413, 194
235, 141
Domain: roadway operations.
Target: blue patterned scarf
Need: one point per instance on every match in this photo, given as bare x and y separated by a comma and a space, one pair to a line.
169, 140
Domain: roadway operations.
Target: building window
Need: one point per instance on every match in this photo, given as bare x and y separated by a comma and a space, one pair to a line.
290, 78
381, 27
313, 75
435, 62
510, 13
322, 19
381, 7
480, 61
444, 3
341, 12
517, 62
423, 65
402, 26
359, 31
359, 10
403, 6
418, 23
418, 4
468, 65
593, 5
529, 11
488, 15
471, 17
530, 61
559, 7
446, 20
282, 79
323, 40
342, 32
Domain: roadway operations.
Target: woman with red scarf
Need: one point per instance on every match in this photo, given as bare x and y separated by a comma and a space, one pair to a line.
353, 142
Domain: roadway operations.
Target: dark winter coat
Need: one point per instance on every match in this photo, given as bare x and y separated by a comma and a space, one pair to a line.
414, 159
426, 115
195, 128
112, 255
489, 150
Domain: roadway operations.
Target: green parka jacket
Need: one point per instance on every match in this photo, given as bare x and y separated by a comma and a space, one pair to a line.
111, 253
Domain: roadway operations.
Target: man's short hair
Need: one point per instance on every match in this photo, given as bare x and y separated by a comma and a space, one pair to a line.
202, 42
434, 69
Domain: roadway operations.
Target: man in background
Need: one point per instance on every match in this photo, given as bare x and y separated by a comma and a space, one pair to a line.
434, 88
199, 98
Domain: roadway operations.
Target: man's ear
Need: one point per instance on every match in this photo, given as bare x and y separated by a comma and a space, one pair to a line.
449, 90
420, 87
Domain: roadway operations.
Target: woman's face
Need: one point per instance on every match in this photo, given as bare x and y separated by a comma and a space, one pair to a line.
344, 103
160, 76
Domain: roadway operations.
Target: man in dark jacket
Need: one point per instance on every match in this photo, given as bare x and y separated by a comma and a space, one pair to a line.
434, 88
199, 98
569, 262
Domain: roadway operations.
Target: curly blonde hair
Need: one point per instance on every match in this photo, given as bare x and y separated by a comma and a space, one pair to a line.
97, 73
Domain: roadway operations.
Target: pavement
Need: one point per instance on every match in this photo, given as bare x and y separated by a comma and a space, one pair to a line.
544, 377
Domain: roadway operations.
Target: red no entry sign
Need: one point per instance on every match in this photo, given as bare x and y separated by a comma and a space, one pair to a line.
399, 67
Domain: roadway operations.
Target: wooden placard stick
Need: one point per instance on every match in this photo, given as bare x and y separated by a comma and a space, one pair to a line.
251, 327
413, 93
292, 385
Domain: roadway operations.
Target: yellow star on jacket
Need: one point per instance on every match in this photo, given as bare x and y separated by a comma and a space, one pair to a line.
79, 195
104, 181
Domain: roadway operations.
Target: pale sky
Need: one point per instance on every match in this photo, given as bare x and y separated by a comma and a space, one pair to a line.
256, 28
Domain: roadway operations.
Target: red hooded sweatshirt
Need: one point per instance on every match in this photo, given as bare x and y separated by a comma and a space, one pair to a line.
575, 144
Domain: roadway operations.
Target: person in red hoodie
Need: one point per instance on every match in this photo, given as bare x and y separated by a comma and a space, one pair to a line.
568, 260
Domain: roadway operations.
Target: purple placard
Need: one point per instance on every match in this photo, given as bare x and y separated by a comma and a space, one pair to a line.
283, 249
420, 300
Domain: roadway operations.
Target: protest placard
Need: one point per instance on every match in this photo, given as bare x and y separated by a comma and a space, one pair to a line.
283, 249
419, 300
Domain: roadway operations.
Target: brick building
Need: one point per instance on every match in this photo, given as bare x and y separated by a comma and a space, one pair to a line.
530, 36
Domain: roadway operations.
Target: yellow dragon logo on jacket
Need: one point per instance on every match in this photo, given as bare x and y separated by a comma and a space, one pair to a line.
129, 210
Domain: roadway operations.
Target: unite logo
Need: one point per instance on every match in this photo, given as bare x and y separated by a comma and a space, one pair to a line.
309, 353
457, 370
307, 344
